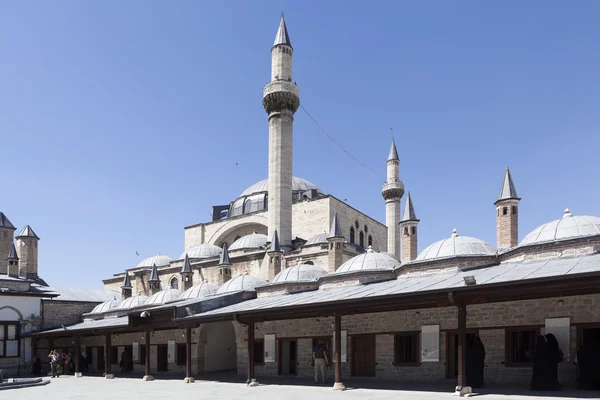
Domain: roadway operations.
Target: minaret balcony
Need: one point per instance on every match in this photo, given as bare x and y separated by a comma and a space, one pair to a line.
281, 95
392, 190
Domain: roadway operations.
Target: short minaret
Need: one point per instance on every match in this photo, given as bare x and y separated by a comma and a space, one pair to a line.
127, 288
507, 213
7, 232
187, 273
408, 227
27, 246
154, 281
275, 257
224, 267
13, 262
281, 99
336, 245
392, 192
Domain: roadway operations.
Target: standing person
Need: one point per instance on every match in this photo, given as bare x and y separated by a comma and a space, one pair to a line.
478, 359
538, 380
54, 360
124, 361
320, 362
83, 361
555, 356
37, 365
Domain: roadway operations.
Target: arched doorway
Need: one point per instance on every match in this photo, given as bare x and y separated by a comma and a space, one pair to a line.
217, 347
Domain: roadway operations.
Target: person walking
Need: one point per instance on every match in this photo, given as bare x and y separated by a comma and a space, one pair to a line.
320, 362
54, 360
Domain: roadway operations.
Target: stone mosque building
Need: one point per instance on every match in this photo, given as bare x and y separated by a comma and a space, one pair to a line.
286, 266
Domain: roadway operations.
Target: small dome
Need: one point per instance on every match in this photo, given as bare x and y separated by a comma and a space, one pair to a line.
320, 238
241, 283
251, 241
164, 296
203, 289
368, 261
204, 250
300, 273
159, 260
568, 227
298, 185
134, 301
455, 246
106, 306
390, 254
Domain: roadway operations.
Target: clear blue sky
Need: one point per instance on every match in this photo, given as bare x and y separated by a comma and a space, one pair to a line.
121, 122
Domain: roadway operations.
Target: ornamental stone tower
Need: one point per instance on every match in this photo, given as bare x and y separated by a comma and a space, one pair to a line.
281, 99
154, 281
27, 246
7, 231
507, 214
408, 227
335, 242
275, 257
126, 288
392, 192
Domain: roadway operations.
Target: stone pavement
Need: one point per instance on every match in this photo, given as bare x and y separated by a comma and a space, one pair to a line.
96, 388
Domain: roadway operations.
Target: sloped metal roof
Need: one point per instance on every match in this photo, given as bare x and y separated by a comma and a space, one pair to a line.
27, 232
4, 222
422, 282
93, 324
86, 295
507, 190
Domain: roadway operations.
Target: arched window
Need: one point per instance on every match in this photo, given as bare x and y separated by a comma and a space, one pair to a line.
356, 224
361, 238
352, 239
370, 240
366, 229
174, 283
236, 238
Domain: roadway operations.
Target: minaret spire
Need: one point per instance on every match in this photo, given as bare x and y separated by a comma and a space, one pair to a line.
408, 227
281, 99
392, 192
507, 213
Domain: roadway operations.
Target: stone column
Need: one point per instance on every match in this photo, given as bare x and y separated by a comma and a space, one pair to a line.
338, 385
188, 356
78, 373
251, 380
147, 376
461, 388
107, 365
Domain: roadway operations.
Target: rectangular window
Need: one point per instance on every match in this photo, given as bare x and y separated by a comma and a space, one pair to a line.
181, 354
406, 348
142, 356
114, 355
9, 339
259, 352
520, 346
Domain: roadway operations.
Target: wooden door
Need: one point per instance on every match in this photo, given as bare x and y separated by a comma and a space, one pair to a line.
162, 362
363, 355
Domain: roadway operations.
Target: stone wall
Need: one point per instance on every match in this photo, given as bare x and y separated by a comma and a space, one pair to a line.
57, 313
349, 216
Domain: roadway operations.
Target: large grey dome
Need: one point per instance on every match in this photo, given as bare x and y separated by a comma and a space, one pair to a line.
159, 260
368, 261
317, 239
298, 184
164, 296
106, 306
134, 301
568, 227
241, 283
300, 273
251, 241
204, 250
203, 289
456, 245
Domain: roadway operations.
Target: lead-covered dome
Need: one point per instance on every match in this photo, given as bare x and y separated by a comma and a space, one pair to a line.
368, 261
204, 250
164, 296
456, 246
106, 306
568, 227
159, 260
203, 289
134, 301
255, 198
251, 241
244, 282
317, 239
300, 273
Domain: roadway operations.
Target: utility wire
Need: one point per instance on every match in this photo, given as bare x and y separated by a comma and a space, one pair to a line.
337, 144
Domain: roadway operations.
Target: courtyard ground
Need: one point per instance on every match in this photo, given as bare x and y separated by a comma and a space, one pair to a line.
96, 388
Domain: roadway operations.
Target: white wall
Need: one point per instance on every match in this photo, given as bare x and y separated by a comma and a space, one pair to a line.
220, 347
24, 304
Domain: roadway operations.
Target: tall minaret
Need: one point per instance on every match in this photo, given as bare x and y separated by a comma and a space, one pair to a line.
392, 192
281, 99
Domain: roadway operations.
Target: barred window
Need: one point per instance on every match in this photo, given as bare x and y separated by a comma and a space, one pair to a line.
181, 354
406, 348
520, 346
9, 339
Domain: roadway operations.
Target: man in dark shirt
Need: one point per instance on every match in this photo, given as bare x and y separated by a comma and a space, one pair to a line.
320, 362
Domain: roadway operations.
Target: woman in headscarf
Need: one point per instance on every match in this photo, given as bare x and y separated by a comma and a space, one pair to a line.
478, 360
538, 380
554, 357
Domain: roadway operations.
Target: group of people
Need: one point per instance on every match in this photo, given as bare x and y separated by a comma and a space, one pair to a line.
545, 363
59, 364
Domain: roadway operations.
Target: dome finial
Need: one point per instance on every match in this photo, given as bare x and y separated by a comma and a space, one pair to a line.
370, 249
454, 233
567, 213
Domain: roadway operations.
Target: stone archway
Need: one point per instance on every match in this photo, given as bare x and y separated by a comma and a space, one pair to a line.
217, 347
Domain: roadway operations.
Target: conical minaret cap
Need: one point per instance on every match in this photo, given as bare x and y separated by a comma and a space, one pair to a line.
127, 281
224, 260
393, 156
275, 247
154, 274
282, 36
336, 230
27, 232
409, 210
12, 254
507, 190
187, 266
